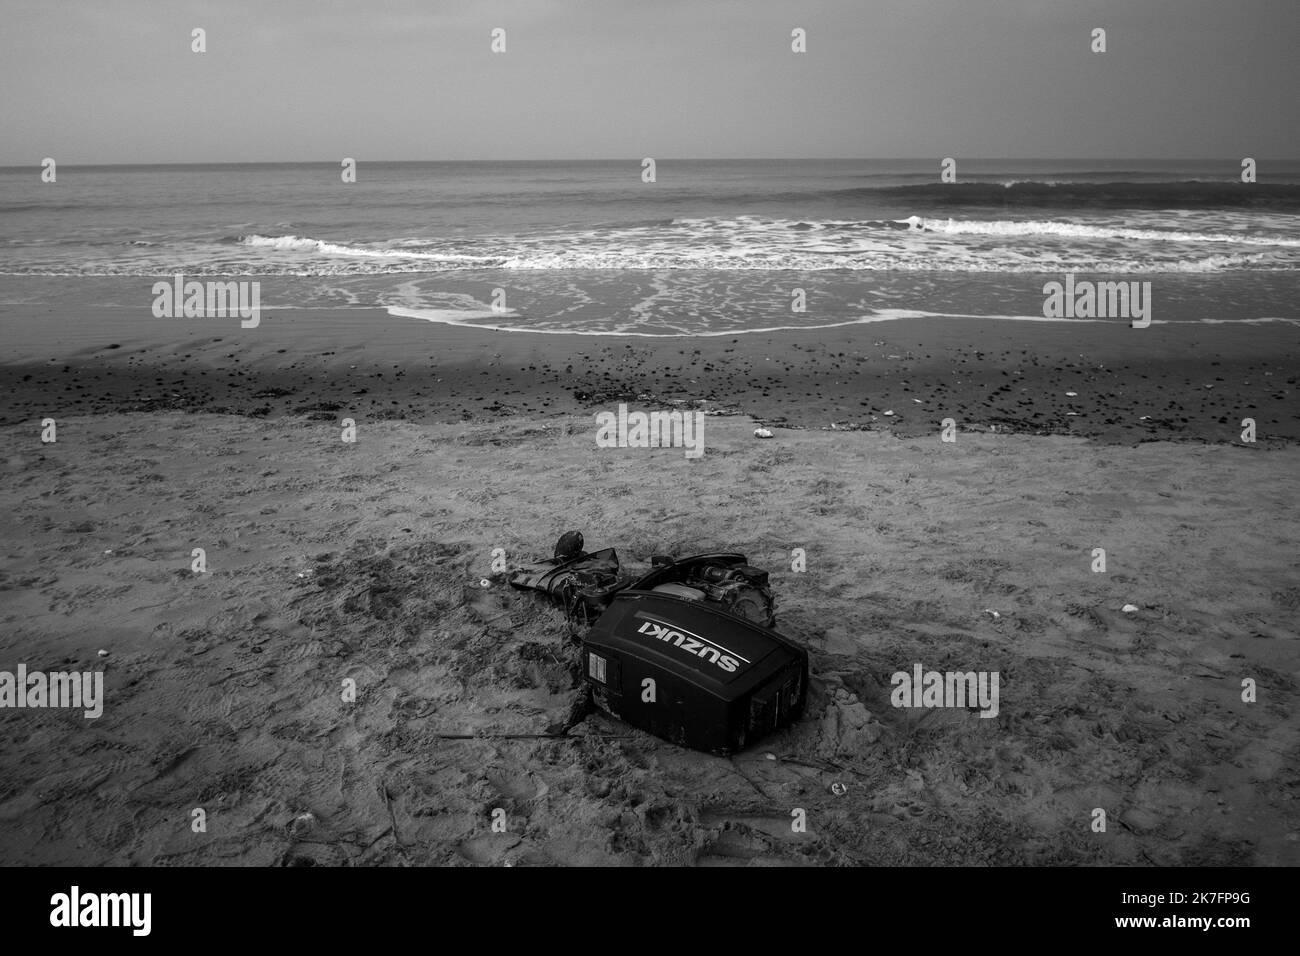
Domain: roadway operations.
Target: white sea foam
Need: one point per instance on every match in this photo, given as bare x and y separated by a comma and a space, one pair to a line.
449, 316
753, 243
324, 248
1139, 243
467, 318
1085, 231
472, 318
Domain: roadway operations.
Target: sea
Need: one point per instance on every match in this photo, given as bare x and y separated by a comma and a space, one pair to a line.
709, 247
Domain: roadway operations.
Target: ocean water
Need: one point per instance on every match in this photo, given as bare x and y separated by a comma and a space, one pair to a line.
710, 248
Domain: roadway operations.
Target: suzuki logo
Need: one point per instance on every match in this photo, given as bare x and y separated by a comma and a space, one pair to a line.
692, 645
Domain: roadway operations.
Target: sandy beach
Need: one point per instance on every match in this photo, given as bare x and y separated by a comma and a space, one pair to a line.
817, 436
329, 561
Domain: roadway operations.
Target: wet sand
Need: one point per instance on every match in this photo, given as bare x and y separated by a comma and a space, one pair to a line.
1130, 385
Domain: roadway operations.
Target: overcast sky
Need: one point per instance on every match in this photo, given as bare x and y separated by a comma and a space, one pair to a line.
114, 81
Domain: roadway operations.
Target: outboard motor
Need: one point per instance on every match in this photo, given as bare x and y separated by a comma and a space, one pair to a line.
687, 652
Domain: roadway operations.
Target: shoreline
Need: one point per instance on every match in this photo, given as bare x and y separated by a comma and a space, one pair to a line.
1193, 383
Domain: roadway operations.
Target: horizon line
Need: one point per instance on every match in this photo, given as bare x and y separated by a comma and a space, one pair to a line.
675, 159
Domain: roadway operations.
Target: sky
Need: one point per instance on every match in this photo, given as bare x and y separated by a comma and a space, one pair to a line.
115, 81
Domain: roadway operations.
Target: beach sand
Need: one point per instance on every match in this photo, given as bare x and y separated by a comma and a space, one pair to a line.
329, 561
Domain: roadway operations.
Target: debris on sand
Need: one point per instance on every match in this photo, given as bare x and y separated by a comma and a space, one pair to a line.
848, 729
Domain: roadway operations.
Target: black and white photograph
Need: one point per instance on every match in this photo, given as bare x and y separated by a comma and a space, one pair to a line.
561, 433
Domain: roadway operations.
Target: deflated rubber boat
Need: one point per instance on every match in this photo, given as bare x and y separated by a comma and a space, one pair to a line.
688, 652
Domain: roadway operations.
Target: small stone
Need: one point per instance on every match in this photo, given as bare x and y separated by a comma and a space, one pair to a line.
762, 433
1129, 608
103, 653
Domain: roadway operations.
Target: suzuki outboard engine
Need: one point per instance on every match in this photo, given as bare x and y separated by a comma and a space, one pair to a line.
688, 653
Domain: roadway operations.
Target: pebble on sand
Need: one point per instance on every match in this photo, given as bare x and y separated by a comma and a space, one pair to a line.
1129, 608
762, 433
